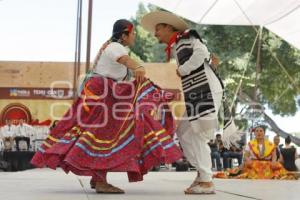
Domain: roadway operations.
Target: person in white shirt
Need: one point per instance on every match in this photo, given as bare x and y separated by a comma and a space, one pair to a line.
8, 133
23, 133
203, 93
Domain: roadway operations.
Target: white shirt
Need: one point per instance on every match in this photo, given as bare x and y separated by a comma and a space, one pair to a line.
24, 130
8, 131
108, 66
200, 54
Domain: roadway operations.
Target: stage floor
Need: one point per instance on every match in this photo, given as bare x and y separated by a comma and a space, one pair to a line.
46, 184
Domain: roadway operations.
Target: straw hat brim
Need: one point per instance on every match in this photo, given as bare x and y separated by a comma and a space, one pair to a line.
150, 20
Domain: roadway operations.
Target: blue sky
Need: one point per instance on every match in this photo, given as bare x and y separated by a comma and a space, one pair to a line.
44, 30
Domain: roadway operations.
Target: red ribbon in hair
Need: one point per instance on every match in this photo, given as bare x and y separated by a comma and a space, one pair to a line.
169, 45
129, 28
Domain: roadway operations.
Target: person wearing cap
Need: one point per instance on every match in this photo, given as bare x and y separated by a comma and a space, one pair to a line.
203, 93
110, 127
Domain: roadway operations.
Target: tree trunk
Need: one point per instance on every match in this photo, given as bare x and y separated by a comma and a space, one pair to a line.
279, 131
246, 99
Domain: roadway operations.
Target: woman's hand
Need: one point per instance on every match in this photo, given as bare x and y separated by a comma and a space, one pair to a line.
177, 72
248, 163
139, 74
138, 70
273, 165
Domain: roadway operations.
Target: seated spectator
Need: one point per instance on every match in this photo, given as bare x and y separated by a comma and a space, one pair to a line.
259, 161
8, 133
220, 145
276, 141
288, 155
215, 154
23, 132
234, 152
226, 154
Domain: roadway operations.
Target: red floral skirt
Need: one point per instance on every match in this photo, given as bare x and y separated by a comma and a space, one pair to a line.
111, 128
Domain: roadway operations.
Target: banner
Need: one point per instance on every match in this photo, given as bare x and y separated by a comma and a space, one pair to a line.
36, 93
51, 93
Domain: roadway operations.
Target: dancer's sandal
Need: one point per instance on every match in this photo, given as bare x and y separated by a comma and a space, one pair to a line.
197, 181
193, 184
105, 188
198, 189
92, 184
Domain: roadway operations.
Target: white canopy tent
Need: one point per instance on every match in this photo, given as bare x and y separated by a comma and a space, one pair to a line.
279, 16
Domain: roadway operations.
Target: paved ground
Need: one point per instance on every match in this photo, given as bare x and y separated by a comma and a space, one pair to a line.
46, 184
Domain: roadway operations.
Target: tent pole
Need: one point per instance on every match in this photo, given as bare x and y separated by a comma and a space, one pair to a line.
89, 34
258, 65
77, 48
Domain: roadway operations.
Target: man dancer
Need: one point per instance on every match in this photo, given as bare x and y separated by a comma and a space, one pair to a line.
203, 93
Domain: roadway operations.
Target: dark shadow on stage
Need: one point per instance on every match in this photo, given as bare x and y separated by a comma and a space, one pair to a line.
12, 161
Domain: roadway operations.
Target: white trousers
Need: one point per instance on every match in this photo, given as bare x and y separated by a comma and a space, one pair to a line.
194, 138
195, 149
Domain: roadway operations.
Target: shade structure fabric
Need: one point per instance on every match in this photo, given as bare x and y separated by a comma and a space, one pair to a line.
279, 16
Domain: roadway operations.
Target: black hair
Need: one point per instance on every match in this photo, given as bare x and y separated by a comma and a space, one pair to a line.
288, 140
54, 124
262, 127
120, 27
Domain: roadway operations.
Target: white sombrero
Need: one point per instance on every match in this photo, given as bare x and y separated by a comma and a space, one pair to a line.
150, 20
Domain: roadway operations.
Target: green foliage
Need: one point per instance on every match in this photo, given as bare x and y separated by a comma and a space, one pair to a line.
146, 46
279, 83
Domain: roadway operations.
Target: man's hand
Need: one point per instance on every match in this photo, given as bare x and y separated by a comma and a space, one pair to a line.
177, 122
215, 61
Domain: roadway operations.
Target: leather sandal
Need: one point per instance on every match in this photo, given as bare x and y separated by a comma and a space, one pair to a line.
92, 184
198, 189
106, 188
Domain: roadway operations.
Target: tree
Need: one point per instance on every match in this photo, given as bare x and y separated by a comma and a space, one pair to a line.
146, 46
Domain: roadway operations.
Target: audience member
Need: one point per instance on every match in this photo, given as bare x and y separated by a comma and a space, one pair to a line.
288, 155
